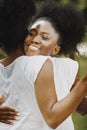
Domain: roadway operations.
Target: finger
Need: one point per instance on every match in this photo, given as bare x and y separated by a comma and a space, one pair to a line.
8, 113
6, 118
4, 108
2, 99
7, 122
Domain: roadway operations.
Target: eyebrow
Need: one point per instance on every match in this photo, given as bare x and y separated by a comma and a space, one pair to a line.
32, 29
45, 33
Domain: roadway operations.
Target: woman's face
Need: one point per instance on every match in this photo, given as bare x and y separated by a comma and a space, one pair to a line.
42, 39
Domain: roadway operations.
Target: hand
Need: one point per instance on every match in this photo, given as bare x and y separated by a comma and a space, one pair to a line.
7, 113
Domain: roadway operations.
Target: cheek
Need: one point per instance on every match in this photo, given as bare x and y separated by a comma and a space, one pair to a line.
46, 43
48, 46
28, 40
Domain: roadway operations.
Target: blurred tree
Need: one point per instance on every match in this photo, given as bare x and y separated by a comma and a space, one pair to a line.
85, 13
75, 1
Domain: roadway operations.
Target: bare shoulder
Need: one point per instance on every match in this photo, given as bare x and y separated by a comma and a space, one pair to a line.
45, 82
46, 71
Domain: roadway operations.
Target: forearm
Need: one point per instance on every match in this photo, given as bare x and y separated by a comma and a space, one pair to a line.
61, 110
82, 107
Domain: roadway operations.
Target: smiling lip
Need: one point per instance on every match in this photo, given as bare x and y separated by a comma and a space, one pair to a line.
33, 48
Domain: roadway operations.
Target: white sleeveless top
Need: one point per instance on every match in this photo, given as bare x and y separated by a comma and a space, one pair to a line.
17, 83
65, 71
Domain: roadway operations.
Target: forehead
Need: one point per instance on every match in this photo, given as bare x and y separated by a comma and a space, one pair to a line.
43, 25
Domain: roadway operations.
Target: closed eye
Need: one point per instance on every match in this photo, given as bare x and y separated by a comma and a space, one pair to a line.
32, 32
45, 38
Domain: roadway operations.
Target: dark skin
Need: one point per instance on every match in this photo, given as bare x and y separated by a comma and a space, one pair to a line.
7, 114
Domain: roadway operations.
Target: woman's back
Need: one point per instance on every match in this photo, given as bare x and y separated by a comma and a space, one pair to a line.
18, 86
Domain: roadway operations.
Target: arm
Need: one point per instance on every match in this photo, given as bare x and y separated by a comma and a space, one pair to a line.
7, 113
82, 107
50, 108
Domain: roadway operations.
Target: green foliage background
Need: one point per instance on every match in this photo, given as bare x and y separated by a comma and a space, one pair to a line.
80, 122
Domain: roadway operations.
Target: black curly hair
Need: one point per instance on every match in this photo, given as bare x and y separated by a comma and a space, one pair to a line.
67, 20
15, 16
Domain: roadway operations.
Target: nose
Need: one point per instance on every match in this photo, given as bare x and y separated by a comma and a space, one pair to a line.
36, 39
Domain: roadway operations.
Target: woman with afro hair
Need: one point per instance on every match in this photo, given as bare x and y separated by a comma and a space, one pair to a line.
56, 29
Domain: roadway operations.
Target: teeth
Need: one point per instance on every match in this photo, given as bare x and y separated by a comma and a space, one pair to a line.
33, 48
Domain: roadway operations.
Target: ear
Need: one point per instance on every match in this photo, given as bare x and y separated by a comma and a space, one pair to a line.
56, 50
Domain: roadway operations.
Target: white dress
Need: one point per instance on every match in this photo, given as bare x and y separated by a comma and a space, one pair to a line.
17, 83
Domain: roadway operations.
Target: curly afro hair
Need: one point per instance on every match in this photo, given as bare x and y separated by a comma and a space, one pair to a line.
67, 20
15, 16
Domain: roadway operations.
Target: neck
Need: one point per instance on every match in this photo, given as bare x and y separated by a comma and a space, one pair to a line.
11, 57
